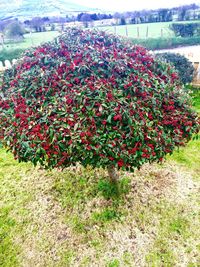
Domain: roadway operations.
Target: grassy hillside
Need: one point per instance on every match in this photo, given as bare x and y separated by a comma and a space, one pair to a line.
38, 8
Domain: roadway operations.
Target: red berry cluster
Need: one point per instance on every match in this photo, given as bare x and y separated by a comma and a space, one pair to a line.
93, 98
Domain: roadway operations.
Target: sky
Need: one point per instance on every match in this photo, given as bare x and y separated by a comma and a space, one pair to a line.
130, 5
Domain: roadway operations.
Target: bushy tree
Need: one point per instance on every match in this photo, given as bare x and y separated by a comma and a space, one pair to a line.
182, 65
86, 18
93, 98
185, 29
122, 21
37, 23
14, 30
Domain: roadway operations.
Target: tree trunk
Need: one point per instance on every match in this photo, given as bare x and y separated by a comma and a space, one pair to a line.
113, 174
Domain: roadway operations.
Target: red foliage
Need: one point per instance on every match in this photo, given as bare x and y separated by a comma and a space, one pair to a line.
93, 98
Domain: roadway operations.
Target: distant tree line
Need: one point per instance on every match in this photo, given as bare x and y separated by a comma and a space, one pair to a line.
87, 17
82, 16
182, 13
37, 23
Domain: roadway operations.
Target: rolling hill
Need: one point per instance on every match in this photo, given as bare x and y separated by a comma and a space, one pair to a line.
33, 8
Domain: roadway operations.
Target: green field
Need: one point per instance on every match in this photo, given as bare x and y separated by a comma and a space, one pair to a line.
196, 100
14, 49
33, 39
155, 30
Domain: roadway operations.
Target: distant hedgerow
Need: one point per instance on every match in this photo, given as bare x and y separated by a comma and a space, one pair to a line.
185, 29
10, 54
93, 98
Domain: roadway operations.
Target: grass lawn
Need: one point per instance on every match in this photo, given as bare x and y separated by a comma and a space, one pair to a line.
196, 99
155, 30
14, 50
33, 39
76, 218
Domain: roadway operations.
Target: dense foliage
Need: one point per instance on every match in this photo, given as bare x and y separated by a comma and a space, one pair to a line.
14, 30
185, 29
182, 65
93, 98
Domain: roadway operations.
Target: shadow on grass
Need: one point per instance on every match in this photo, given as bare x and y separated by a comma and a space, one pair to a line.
89, 198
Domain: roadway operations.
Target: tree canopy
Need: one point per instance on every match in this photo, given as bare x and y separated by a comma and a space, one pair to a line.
93, 98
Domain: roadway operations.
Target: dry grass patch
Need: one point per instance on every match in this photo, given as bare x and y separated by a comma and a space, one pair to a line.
76, 218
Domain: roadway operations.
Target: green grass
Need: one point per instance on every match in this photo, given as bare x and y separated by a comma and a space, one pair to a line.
113, 263
174, 225
154, 30
188, 156
8, 203
14, 50
196, 99
166, 43
8, 54
33, 39
78, 214
8, 250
